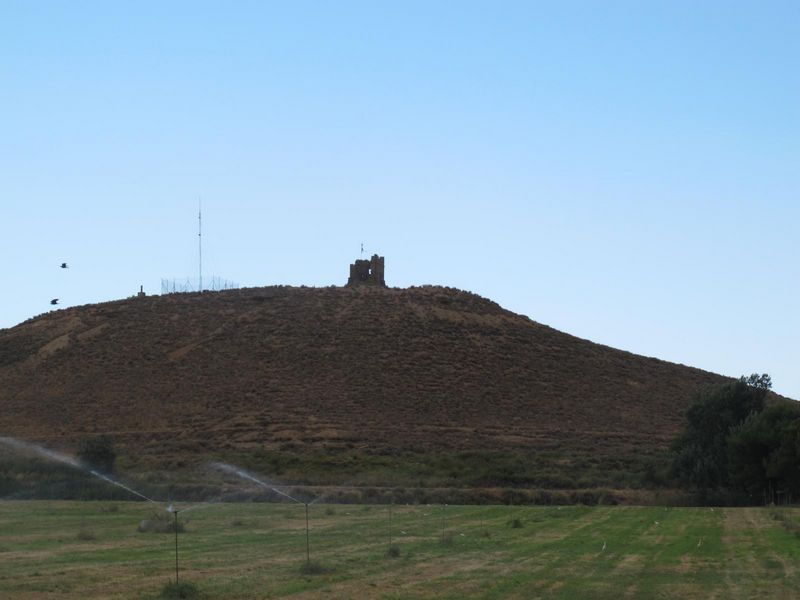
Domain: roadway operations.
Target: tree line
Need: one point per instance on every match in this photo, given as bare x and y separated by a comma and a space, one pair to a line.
738, 446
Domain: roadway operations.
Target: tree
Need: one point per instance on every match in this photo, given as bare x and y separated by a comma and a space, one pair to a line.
97, 453
760, 382
701, 456
764, 451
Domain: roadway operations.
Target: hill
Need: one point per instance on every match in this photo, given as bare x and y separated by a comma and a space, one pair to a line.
368, 385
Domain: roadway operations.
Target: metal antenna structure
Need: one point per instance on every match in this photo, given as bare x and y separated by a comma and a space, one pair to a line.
200, 240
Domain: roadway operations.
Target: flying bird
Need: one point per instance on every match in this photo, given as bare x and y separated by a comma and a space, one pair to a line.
54, 301
64, 266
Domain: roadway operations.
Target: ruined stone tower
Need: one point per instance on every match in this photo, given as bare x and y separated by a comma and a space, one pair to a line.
367, 272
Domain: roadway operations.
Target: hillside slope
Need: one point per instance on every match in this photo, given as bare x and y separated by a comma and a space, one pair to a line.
345, 374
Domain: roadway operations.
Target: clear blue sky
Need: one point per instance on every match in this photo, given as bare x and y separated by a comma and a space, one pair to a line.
628, 172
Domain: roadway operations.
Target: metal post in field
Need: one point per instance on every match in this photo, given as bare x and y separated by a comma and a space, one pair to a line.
443, 520
177, 587
308, 546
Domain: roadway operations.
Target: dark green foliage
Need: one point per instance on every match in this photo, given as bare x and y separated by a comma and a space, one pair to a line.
764, 451
418, 468
734, 444
8, 485
98, 453
25, 478
313, 568
762, 382
701, 456
184, 589
786, 521
657, 473
393, 551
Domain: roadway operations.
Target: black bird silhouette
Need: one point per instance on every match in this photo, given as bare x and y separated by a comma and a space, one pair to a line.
54, 301
64, 266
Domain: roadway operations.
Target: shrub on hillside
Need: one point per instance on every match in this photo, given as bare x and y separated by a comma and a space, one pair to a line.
98, 453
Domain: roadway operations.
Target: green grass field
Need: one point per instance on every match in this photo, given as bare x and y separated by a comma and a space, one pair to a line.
93, 550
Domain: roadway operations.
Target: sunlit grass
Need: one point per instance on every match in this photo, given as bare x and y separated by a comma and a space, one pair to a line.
259, 550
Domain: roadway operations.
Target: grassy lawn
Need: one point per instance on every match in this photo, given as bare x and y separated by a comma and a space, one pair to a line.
93, 550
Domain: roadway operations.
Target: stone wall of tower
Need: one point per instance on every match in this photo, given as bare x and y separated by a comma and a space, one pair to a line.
376, 270
369, 272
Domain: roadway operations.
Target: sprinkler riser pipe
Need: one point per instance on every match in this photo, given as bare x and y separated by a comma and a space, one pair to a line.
177, 586
308, 546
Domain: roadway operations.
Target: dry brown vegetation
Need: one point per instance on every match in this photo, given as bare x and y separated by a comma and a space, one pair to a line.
342, 374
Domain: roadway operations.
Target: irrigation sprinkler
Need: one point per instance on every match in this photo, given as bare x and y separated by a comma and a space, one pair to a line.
308, 544
175, 514
393, 551
245, 475
444, 522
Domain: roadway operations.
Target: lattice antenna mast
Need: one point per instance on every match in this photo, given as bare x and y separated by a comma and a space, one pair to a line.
200, 240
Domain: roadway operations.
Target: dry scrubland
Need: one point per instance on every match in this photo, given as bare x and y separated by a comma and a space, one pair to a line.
425, 394
427, 387
93, 550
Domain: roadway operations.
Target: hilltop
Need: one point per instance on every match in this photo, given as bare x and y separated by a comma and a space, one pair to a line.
422, 386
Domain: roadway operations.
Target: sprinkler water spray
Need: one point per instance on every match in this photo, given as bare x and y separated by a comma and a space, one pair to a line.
118, 484
68, 460
201, 505
331, 490
245, 475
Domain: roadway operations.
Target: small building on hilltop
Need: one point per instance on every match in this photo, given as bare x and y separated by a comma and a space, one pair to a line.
367, 272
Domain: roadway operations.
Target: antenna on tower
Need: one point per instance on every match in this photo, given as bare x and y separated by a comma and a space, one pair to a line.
200, 239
